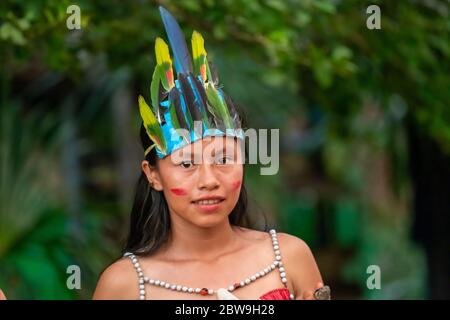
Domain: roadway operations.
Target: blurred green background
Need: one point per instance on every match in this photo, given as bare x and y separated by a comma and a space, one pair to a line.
364, 122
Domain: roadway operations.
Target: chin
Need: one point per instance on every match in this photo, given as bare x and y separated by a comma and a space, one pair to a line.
210, 221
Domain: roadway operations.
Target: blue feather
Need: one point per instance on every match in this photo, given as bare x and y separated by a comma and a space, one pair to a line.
183, 61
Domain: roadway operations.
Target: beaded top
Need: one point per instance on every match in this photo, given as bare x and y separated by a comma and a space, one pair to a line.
276, 294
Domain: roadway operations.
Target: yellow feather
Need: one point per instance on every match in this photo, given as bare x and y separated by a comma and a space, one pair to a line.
151, 125
146, 113
198, 45
162, 52
162, 59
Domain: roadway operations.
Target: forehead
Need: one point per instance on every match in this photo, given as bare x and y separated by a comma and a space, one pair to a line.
213, 144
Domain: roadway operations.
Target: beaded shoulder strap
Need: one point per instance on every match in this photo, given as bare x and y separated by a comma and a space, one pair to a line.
141, 278
280, 265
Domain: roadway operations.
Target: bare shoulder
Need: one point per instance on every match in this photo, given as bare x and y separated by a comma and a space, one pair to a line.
118, 282
299, 261
252, 233
293, 245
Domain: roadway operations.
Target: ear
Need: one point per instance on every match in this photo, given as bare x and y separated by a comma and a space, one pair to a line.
152, 175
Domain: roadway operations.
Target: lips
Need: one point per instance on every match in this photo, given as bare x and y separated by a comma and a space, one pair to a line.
208, 200
208, 204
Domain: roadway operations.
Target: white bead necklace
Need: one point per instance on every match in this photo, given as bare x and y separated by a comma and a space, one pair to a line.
277, 263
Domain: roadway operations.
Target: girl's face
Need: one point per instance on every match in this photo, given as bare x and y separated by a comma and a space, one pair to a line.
201, 181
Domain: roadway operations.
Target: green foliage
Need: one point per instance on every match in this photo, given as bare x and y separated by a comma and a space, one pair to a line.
281, 60
402, 265
25, 185
32, 233
37, 242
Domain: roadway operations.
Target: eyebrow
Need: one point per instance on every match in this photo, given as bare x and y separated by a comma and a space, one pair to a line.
225, 149
229, 150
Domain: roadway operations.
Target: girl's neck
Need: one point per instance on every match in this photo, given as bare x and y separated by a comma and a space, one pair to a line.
191, 243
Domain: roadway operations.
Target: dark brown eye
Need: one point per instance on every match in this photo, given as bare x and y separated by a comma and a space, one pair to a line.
225, 160
186, 164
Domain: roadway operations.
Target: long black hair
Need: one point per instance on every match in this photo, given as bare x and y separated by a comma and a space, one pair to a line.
150, 220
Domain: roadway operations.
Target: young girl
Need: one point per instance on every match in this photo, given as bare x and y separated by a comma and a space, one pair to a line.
187, 238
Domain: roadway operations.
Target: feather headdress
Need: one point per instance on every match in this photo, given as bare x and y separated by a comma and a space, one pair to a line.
192, 101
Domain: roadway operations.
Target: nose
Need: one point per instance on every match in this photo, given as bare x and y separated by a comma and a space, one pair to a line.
207, 179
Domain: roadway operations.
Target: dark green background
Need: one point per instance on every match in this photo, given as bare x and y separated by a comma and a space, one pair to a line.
363, 115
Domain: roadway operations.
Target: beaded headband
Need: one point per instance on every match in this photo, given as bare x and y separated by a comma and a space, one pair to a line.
188, 108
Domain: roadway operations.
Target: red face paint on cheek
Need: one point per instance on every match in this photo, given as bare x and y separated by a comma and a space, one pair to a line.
236, 184
179, 191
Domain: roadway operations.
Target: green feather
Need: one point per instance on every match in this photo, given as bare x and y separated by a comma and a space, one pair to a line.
151, 125
154, 89
219, 108
173, 116
206, 115
162, 73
